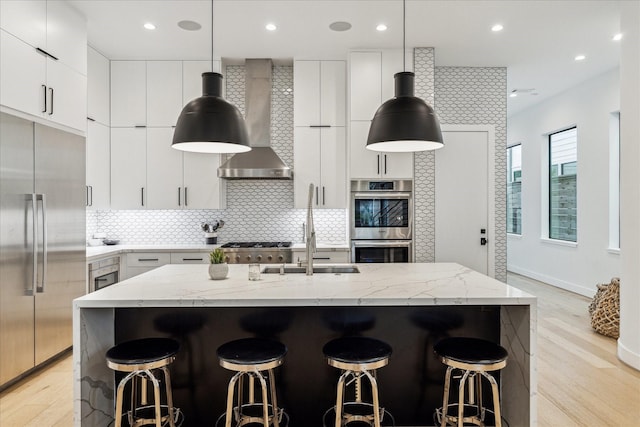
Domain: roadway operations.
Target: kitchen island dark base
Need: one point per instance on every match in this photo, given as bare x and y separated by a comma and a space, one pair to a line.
410, 386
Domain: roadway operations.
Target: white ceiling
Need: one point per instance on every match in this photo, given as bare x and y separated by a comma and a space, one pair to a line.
538, 44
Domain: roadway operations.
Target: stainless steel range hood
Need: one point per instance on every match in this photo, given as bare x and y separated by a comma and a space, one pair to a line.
261, 162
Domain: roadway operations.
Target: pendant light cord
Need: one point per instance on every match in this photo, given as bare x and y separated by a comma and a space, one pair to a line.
404, 35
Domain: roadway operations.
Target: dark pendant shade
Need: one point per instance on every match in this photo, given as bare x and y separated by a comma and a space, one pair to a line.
210, 124
404, 123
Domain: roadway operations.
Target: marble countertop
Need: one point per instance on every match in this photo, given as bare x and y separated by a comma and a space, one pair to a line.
182, 285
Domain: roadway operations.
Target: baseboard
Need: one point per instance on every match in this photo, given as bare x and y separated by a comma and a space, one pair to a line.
627, 356
568, 286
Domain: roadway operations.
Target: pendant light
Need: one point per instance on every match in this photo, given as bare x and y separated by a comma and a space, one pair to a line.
210, 124
404, 123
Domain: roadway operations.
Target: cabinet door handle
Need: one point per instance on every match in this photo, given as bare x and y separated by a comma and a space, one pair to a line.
142, 195
91, 192
323, 202
44, 91
319, 126
51, 109
385, 164
87, 189
378, 164
44, 52
186, 200
179, 191
192, 259
148, 260
316, 195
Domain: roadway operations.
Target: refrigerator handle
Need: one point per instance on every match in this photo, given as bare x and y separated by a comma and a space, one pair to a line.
43, 199
32, 199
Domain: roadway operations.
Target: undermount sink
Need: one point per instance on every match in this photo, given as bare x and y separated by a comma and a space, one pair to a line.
330, 269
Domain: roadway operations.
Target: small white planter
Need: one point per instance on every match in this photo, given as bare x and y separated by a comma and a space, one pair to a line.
218, 271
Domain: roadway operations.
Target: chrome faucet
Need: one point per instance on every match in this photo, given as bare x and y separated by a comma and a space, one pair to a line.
310, 234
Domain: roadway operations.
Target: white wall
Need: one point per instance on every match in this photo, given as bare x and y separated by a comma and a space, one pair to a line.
629, 342
574, 267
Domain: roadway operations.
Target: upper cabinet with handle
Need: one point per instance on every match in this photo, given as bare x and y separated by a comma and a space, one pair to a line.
370, 84
43, 62
319, 148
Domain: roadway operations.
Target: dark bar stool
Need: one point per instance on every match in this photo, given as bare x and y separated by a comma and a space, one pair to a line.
474, 357
249, 358
142, 359
357, 357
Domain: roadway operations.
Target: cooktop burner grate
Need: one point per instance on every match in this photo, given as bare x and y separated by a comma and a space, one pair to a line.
256, 245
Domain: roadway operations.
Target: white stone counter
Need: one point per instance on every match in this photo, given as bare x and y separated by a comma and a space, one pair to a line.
377, 285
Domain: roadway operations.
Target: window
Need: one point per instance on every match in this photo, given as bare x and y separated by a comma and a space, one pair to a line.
563, 173
514, 189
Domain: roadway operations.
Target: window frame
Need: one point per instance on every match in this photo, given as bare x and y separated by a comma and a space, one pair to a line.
511, 179
549, 177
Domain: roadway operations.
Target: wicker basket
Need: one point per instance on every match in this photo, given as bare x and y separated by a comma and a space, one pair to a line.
605, 309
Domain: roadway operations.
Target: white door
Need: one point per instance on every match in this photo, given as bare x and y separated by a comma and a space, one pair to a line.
462, 200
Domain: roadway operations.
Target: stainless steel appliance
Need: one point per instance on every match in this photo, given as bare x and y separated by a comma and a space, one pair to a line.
42, 242
103, 273
381, 251
381, 221
261, 252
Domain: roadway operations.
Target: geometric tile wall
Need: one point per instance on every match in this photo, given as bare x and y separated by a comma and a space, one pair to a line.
258, 210
477, 95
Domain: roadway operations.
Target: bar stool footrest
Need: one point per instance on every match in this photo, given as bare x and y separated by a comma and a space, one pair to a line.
145, 415
470, 416
253, 414
358, 414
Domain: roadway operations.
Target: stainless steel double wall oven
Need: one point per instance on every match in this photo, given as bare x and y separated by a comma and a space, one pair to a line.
381, 221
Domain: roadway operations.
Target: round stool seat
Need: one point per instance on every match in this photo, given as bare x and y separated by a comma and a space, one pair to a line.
475, 352
258, 353
146, 351
357, 353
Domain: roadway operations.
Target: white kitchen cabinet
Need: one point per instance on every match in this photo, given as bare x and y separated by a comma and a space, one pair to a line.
128, 93
323, 256
179, 180
98, 84
202, 188
319, 158
319, 89
190, 257
128, 168
365, 71
98, 176
53, 26
164, 92
40, 86
366, 164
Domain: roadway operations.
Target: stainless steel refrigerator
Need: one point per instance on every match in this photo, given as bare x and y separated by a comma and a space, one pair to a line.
42, 241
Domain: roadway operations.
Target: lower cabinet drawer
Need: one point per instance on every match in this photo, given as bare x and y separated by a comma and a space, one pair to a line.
189, 257
148, 259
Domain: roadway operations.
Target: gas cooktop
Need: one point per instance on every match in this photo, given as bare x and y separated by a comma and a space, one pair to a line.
256, 245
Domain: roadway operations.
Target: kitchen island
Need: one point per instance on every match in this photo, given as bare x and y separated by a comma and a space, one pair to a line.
408, 305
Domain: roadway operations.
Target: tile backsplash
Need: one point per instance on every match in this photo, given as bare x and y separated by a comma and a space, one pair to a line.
257, 210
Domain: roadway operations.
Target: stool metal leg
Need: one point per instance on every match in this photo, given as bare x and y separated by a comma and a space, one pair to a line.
230, 390
479, 396
171, 409
496, 398
445, 398
156, 398
463, 381
265, 401
339, 398
119, 398
376, 401
274, 400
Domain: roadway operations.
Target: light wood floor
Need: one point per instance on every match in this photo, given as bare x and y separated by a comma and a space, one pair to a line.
580, 380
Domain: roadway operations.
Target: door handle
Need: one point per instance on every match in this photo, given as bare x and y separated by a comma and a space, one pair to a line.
186, 200
42, 198
378, 164
317, 198
34, 242
483, 241
51, 109
385, 164
142, 195
179, 193
323, 202
44, 90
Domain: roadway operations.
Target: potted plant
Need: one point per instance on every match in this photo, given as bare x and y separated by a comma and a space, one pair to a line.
218, 269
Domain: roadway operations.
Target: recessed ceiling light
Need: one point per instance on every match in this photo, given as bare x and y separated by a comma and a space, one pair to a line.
497, 27
271, 27
580, 58
189, 25
381, 27
340, 26
617, 37
149, 26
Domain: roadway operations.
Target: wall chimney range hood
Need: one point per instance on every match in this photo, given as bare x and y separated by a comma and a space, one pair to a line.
261, 162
